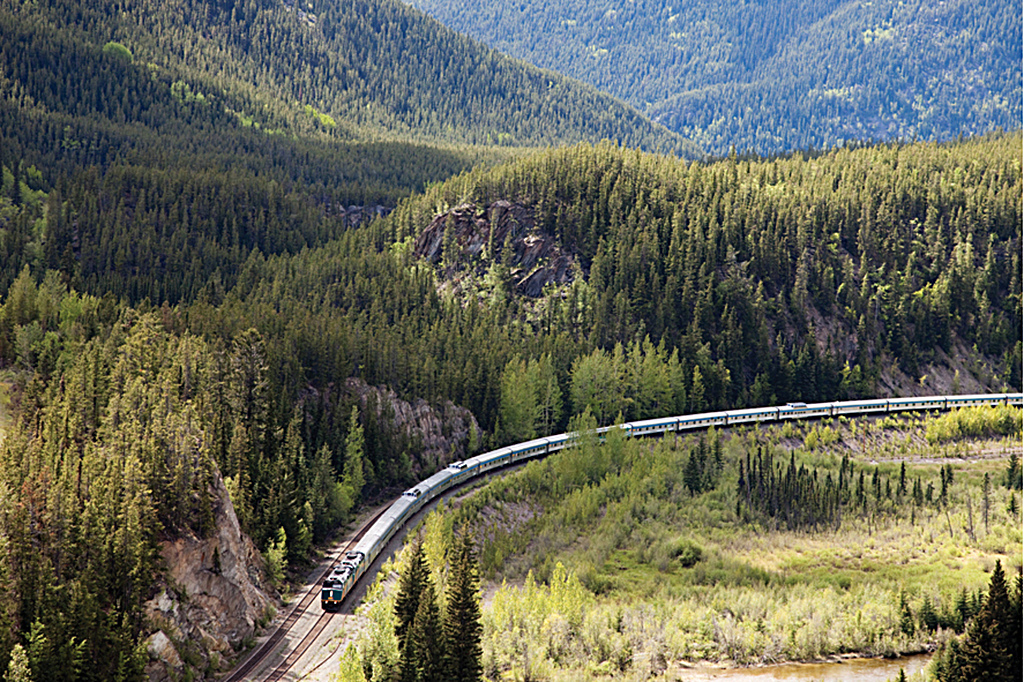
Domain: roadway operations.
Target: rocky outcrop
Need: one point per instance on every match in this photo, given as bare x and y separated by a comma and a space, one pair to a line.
212, 596
480, 236
442, 431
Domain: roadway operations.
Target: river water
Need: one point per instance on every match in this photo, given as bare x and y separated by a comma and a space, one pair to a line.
851, 670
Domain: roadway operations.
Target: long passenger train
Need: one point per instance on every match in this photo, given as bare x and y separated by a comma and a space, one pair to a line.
347, 572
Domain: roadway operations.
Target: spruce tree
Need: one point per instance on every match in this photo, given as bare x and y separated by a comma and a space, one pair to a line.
424, 650
986, 649
990, 649
411, 586
462, 628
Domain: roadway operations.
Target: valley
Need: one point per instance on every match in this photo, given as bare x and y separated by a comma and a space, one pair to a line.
266, 265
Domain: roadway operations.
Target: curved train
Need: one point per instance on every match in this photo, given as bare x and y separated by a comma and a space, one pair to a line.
347, 572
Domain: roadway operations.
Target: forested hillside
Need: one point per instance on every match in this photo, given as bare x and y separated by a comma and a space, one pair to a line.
685, 286
150, 155
343, 71
775, 76
203, 279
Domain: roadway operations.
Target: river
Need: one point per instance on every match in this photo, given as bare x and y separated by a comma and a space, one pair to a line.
851, 670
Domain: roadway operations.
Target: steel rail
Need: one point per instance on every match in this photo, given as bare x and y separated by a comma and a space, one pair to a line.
307, 641
256, 657
302, 647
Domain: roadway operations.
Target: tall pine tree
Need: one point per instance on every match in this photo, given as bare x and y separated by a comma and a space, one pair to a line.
462, 628
423, 657
410, 588
990, 650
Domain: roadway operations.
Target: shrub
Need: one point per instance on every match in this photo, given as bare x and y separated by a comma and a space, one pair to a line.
686, 552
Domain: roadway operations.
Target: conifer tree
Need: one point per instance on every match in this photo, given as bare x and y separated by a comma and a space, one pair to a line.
462, 627
18, 669
990, 649
424, 650
411, 586
986, 649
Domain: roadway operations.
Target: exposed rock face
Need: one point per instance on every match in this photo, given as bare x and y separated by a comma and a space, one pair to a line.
214, 594
442, 431
482, 235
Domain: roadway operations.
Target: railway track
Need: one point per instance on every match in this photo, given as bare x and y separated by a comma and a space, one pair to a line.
246, 668
461, 474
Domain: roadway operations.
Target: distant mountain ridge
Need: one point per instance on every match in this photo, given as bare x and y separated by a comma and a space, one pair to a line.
771, 77
371, 69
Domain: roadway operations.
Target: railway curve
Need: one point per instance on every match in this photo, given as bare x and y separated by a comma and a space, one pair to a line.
362, 554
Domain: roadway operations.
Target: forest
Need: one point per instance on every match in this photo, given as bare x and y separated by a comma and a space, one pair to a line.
328, 74
776, 76
786, 287
214, 267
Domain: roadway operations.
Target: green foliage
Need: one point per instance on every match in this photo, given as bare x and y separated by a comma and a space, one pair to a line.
118, 51
974, 422
18, 669
991, 647
331, 76
350, 667
723, 269
275, 557
408, 637
354, 477
462, 627
412, 584
686, 552
777, 76
664, 570
423, 657
518, 405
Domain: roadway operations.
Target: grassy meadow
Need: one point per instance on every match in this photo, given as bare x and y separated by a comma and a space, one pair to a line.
633, 558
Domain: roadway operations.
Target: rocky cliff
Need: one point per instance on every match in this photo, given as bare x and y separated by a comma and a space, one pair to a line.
476, 237
213, 594
442, 432
211, 598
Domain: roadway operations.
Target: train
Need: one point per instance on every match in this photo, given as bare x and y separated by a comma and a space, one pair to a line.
347, 572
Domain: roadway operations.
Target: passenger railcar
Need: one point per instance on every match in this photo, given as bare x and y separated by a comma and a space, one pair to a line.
347, 572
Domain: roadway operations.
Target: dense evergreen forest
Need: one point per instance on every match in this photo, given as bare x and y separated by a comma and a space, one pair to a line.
213, 217
374, 69
743, 282
775, 76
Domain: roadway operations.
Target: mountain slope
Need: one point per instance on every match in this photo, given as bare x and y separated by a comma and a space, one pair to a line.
771, 77
367, 69
883, 270
221, 129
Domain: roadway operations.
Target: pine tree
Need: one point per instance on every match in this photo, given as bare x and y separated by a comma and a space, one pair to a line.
1013, 472
411, 586
987, 650
462, 627
424, 649
18, 669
